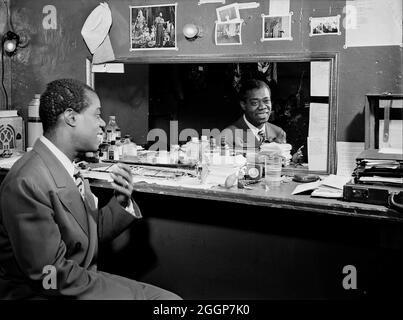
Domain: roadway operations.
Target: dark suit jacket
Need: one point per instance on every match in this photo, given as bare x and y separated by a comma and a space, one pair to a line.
239, 135
44, 221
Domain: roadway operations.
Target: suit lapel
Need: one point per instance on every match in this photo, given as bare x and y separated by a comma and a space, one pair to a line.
92, 234
243, 125
67, 191
75, 206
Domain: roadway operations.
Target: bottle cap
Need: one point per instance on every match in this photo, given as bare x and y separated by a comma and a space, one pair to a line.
195, 139
112, 117
113, 142
204, 138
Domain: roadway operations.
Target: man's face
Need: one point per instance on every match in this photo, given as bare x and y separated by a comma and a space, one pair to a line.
257, 106
89, 124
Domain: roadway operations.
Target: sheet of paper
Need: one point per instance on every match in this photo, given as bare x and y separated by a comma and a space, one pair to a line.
391, 150
324, 192
306, 187
382, 179
109, 68
395, 134
248, 5
318, 120
347, 152
279, 7
336, 181
373, 23
320, 78
317, 154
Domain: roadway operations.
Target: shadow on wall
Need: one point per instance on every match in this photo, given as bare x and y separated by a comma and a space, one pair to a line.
355, 131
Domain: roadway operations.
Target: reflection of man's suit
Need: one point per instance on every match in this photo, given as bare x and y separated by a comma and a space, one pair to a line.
44, 221
239, 135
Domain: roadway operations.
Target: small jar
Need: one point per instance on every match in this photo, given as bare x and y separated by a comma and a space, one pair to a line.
254, 167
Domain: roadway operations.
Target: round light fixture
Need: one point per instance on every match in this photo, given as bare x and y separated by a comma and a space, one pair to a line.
190, 31
10, 42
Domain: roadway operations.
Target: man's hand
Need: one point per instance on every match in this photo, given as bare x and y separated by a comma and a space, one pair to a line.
122, 183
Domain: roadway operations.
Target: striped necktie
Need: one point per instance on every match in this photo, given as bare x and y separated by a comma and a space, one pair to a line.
79, 180
262, 136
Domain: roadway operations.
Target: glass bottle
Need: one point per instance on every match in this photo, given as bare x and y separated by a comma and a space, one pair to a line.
193, 150
118, 133
113, 153
204, 148
111, 129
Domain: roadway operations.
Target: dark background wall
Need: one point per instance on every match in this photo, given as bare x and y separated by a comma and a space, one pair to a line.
59, 53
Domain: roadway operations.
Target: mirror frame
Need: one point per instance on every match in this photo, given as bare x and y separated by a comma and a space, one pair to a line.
331, 57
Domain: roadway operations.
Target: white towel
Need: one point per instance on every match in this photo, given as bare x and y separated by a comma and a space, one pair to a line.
95, 32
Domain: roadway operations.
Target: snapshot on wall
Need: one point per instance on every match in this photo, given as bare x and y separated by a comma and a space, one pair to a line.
276, 27
153, 27
228, 33
325, 26
228, 13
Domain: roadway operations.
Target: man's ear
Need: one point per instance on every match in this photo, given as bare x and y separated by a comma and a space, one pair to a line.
243, 105
70, 117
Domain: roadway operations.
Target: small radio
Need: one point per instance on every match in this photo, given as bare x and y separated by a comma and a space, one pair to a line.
11, 132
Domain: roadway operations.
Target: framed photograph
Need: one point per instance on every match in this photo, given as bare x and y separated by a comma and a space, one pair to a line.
228, 33
228, 13
153, 27
325, 26
276, 27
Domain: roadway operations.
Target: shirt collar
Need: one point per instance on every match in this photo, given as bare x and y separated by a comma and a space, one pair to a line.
252, 127
67, 164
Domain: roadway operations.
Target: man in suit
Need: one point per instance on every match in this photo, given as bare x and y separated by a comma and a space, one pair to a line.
253, 128
49, 227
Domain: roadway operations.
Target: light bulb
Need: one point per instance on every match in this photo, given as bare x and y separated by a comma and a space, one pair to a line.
10, 45
10, 42
190, 31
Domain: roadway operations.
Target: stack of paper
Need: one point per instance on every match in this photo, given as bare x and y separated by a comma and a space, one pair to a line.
374, 167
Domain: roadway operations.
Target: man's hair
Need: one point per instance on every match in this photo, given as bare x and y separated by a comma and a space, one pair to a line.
60, 95
251, 84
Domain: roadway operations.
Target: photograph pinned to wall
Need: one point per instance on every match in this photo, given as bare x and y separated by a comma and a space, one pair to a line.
228, 13
153, 27
228, 33
276, 27
325, 26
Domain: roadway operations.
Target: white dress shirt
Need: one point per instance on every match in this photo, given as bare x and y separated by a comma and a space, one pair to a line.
254, 129
69, 166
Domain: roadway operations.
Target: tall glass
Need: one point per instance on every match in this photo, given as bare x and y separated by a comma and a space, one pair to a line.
272, 168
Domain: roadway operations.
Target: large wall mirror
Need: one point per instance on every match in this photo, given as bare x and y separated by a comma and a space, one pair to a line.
201, 94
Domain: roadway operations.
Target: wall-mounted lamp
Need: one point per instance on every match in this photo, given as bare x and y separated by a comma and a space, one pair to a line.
191, 31
10, 42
